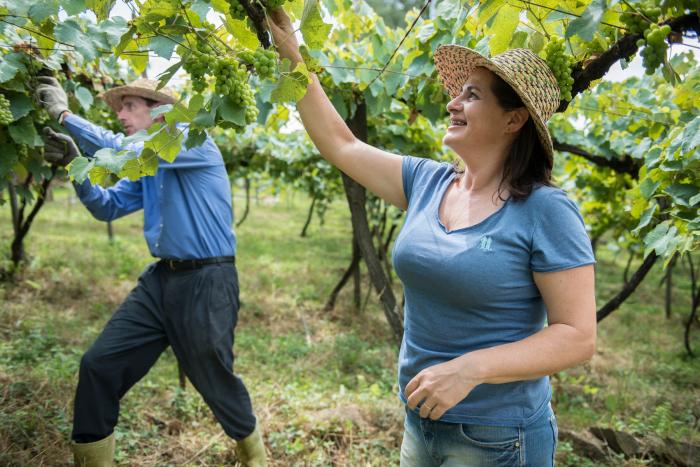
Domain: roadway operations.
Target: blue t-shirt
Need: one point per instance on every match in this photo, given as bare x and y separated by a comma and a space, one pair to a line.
473, 288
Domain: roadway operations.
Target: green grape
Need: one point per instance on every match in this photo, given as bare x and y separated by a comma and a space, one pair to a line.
236, 9
5, 113
199, 62
262, 60
642, 20
560, 63
638, 19
654, 52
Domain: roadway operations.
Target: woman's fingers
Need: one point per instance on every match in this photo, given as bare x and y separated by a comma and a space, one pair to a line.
283, 35
427, 408
281, 19
411, 386
438, 411
415, 398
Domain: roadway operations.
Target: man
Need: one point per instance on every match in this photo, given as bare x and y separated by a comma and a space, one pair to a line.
188, 299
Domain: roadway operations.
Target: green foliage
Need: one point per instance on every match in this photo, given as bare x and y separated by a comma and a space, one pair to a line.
234, 82
292, 85
35, 44
568, 458
653, 125
313, 28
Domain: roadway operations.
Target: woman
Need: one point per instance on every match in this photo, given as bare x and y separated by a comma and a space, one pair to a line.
486, 254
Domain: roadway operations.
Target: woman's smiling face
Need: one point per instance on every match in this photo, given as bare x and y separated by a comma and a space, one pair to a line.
476, 118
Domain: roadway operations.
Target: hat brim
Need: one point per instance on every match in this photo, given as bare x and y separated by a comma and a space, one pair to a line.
113, 97
453, 78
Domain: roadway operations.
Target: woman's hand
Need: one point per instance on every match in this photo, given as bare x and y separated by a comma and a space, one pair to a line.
440, 387
283, 35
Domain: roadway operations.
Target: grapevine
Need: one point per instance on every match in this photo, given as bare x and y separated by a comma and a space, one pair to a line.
560, 64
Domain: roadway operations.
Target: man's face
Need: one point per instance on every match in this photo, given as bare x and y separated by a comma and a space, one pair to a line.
135, 114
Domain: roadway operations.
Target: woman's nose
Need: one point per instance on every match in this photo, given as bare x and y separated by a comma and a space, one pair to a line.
454, 105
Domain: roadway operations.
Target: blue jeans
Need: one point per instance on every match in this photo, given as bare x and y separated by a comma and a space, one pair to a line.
433, 443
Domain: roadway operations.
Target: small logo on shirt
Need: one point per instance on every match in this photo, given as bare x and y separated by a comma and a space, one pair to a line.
485, 243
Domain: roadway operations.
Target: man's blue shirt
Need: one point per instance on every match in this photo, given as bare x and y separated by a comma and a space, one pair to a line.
187, 203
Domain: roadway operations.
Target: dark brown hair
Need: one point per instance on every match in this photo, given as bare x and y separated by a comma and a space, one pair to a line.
527, 164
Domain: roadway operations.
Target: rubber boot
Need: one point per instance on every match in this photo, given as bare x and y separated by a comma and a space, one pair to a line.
96, 454
251, 450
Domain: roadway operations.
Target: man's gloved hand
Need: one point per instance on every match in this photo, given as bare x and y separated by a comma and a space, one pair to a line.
59, 148
51, 95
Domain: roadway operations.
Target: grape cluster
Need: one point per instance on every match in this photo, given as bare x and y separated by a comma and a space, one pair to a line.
262, 60
232, 81
198, 63
236, 10
643, 21
637, 21
656, 46
5, 114
560, 64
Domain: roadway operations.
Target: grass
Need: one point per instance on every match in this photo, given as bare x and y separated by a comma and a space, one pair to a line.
323, 383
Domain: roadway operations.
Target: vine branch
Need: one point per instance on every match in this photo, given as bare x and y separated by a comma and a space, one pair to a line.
628, 288
621, 165
623, 48
257, 17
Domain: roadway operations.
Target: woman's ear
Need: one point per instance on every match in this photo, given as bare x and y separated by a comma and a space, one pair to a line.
516, 119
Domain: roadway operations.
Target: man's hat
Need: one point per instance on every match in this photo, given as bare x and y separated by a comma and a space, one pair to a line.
141, 87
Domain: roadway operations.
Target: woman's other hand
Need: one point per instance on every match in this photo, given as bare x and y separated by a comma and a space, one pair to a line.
440, 387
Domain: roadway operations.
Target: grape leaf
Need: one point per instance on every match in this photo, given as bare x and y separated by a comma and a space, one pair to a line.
314, 30
292, 85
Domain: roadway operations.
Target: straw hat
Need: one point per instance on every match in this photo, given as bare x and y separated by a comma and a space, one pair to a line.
524, 71
141, 87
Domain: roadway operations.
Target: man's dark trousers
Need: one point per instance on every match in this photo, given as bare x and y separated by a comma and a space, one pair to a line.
195, 311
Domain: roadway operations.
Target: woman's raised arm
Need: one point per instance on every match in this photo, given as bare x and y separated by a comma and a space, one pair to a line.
377, 170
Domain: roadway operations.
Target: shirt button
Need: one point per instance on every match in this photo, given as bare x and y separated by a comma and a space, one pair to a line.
161, 186
157, 245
